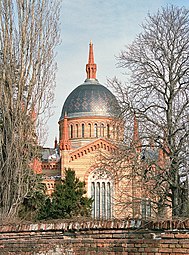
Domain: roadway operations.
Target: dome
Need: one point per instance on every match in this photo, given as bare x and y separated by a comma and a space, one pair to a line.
90, 99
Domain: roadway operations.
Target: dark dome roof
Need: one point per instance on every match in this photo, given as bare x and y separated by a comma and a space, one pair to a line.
90, 99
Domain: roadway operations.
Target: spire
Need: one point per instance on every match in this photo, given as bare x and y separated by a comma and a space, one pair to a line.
91, 54
91, 66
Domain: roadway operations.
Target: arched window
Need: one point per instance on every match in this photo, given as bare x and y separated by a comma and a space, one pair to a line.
89, 126
77, 130
108, 130
95, 130
100, 189
71, 131
82, 130
102, 130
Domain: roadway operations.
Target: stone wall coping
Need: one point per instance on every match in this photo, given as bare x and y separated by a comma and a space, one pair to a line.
97, 225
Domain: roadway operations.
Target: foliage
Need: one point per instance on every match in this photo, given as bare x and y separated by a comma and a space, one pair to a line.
158, 94
35, 199
68, 199
28, 35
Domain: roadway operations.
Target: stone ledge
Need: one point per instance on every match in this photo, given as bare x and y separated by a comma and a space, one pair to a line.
98, 225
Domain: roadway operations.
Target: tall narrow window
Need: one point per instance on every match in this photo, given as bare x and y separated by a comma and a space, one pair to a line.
82, 130
97, 200
100, 188
95, 130
103, 200
108, 200
77, 130
146, 208
108, 130
102, 130
89, 126
71, 131
93, 197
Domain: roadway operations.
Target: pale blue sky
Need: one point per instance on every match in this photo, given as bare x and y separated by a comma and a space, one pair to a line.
110, 24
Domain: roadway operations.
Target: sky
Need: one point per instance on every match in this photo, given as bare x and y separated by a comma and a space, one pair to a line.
111, 25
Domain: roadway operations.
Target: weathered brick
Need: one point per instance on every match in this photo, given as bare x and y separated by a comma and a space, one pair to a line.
165, 245
182, 236
178, 245
180, 241
185, 245
137, 245
169, 241
167, 235
151, 250
130, 245
165, 250
181, 250
90, 241
141, 249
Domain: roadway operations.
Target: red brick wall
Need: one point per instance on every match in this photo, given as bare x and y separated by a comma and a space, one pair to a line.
97, 237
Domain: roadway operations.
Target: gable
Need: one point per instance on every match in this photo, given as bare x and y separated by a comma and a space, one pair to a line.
91, 147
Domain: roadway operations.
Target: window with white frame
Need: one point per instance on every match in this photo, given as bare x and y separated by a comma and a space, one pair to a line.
101, 191
146, 208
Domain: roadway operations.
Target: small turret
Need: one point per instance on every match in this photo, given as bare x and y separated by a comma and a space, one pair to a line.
65, 142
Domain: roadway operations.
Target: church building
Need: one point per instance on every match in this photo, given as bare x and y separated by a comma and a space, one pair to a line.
86, 130
89, 128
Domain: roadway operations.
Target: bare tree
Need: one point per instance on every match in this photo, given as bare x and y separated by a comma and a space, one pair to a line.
158, 93
28, 35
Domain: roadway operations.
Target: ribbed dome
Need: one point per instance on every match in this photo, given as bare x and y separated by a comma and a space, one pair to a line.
90, 99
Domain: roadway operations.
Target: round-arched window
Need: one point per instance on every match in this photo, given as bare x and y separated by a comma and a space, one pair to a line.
101, 191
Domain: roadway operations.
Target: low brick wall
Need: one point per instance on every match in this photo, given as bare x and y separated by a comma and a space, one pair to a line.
129, 237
